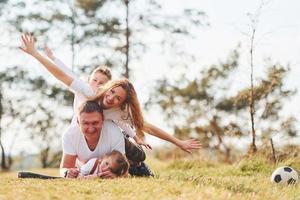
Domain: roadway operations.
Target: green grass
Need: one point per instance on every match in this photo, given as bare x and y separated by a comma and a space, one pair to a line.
177, 179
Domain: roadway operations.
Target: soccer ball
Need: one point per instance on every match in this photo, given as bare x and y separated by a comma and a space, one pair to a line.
285, 174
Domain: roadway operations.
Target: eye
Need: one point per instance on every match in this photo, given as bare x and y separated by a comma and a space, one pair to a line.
95, 123
112, 91
106, 163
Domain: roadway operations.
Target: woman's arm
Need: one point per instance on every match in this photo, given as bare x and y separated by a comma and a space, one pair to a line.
185, 145
29, 48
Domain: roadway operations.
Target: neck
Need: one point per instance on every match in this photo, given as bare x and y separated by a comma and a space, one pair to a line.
92, 141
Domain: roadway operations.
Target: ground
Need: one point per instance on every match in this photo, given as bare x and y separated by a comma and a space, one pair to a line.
174, 179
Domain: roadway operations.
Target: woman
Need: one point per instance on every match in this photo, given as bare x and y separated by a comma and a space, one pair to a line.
118, 99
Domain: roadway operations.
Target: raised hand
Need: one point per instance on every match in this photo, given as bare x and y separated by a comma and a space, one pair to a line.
189, 145
28, 44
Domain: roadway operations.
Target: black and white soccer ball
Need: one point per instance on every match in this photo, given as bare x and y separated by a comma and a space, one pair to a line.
285, 175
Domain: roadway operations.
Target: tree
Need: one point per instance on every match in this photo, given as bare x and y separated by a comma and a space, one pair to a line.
128, 30
209, 108
37, 119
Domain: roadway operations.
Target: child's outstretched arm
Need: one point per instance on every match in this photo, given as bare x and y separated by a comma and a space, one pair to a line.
29, 48
75, 84
185, 145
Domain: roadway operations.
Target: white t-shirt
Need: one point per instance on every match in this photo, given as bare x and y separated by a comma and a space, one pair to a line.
111, 138
82, 91
87, 167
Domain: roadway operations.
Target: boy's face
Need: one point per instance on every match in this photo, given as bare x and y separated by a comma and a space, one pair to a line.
107, 163
97, 79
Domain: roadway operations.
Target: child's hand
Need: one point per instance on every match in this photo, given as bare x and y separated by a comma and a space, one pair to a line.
142, 142
107, 174
28, 44
49, 53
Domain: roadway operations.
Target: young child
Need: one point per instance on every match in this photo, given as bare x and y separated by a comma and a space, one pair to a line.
115, 161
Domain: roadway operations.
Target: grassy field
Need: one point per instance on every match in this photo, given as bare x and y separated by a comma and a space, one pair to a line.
177, 179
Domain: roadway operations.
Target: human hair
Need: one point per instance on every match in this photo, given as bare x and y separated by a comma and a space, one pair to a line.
103, 70
89, 107
131, 103
122, 164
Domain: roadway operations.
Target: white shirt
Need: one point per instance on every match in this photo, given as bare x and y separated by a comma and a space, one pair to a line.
111, 138
87, 167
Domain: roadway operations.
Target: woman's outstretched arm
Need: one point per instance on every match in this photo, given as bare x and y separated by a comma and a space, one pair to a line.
185, 145
29, 48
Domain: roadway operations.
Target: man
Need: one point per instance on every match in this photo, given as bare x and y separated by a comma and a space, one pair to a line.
93, 139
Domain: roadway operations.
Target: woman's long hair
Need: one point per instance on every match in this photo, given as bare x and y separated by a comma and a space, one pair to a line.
130, 105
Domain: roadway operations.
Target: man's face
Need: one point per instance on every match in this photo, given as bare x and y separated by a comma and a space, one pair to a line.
90, 123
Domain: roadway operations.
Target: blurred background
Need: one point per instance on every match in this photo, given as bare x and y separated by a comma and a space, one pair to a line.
224, 72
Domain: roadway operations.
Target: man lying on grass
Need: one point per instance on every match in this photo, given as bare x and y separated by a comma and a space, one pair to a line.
94, 139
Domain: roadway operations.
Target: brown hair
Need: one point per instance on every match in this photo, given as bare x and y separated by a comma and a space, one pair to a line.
121, 161
103, 70
131, 104
89, 107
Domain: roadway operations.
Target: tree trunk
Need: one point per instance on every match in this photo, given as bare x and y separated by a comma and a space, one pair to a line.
3, 157
127, 34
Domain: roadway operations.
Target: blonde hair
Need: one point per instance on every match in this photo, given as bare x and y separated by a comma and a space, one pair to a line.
103, 70
121, 161
131, 103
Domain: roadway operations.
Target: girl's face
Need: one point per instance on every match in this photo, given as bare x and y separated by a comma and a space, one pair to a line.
114, 98
107, 163
97, 79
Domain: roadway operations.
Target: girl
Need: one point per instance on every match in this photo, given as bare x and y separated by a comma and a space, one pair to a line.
114, 161
118, 99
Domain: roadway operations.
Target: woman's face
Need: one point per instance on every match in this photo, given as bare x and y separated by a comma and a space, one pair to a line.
114, 98
97, 79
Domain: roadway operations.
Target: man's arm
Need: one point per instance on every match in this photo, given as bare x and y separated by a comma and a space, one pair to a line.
67, 166
68, 161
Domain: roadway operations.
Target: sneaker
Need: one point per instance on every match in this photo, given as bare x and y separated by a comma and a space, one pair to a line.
141, 170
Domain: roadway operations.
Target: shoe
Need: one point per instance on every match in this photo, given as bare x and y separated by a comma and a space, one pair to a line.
141, 170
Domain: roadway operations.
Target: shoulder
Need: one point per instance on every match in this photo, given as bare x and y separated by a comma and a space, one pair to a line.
116, 114
72, 131
110, 125
111, 129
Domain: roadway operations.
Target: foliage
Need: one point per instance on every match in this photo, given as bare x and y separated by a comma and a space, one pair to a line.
21, 114
211, 109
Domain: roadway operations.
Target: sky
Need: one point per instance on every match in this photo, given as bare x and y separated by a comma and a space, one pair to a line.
278, 37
